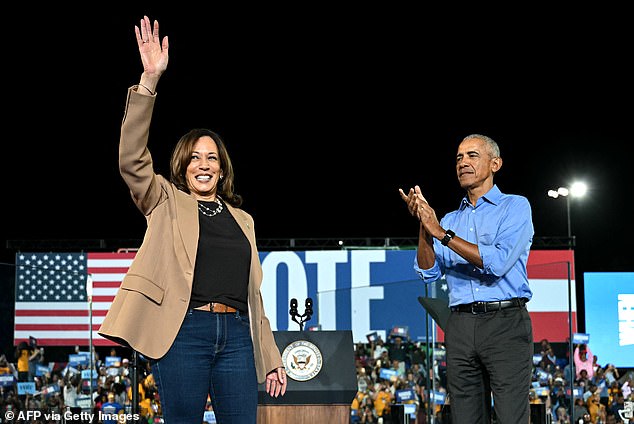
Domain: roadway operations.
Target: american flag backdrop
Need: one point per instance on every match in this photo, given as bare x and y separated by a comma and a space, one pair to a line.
51, 303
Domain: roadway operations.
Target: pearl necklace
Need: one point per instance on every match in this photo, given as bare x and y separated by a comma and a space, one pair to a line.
208, 211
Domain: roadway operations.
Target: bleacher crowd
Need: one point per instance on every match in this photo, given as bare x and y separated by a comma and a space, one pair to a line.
397, 372
391, 374
53, 392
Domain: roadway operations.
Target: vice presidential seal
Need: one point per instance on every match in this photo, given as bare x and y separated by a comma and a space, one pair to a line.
302, 360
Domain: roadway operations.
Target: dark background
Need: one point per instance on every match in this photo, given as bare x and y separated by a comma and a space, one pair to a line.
326, 110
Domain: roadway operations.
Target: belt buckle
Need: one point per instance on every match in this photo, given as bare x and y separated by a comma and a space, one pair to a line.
473, 311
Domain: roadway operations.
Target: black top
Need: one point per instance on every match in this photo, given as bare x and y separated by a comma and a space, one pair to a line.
222, 262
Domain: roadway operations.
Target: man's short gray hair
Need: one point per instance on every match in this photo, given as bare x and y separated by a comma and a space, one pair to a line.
494, 149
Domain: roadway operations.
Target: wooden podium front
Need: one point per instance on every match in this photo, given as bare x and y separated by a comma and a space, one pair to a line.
324, 397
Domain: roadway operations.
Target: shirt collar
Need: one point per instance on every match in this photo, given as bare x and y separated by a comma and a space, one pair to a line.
492, 196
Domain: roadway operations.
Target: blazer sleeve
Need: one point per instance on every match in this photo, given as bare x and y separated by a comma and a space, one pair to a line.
271, 354
135, 160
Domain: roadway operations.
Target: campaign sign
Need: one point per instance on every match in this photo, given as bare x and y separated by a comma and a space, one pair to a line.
440, 354
113, 361
405, 395
410, 409
41, 370
85, 374
78, 359
26, 388
83, 401
51, 388
438, 397
581, 338
387, 374
542, 391
7, 380
209, 417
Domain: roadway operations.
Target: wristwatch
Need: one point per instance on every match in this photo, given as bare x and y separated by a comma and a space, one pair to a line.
448, 236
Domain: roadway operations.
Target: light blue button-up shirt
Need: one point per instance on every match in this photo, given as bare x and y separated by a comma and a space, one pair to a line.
502, 227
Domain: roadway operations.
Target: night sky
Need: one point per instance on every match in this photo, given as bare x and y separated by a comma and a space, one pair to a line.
326, 112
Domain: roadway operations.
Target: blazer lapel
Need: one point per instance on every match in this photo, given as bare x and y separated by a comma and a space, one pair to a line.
187, 222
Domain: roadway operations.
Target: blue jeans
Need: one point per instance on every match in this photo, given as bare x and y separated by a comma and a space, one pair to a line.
212, 354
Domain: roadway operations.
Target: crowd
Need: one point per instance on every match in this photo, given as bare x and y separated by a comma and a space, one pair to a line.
393, 372
386, 369
60, 391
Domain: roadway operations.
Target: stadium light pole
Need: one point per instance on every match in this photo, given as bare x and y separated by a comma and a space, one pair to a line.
577, 189
92, 359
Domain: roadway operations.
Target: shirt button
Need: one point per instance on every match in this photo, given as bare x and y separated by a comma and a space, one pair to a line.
477, 289
470, 229
473, 211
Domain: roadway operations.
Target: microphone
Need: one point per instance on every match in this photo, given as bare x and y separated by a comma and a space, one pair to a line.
293, 311
309, 308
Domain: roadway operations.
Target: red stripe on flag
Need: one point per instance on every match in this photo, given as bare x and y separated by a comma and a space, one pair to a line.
55, 327
59, 312
104, 270
440, 335
109, 255
108, 299
550, 264
106, 284
552, 326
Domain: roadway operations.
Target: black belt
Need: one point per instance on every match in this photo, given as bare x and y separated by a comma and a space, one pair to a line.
484, 307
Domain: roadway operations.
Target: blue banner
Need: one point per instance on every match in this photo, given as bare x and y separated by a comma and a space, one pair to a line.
387, 374
41, 370
78, 359
438, 397
113, 361
366, 291
581, 338
26, 388
7, 380
403, 396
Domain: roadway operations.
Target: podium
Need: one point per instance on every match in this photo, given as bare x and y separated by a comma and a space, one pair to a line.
322, 382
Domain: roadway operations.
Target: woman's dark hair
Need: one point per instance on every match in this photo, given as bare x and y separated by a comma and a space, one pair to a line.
181, 157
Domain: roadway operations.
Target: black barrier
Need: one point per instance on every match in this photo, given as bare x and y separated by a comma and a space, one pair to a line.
538, 413
398, 415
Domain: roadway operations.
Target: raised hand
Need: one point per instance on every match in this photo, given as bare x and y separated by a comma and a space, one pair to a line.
414, 199
154, 52
420, 209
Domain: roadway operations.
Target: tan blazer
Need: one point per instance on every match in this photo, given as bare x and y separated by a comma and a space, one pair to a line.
152, 301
